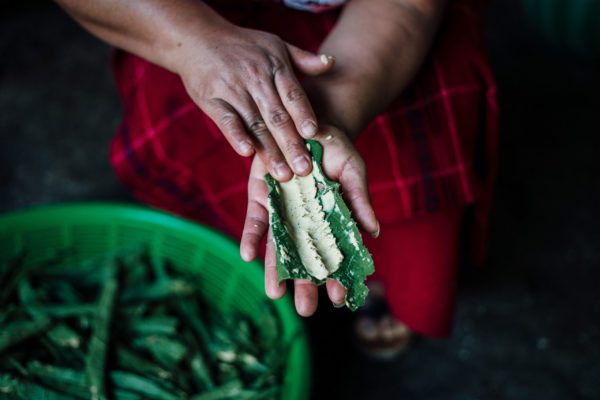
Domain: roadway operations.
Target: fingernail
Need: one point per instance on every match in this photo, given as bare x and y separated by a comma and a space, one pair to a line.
281, 169
309, 128
326, 59
301, 164
338, 305
245, 147
376, 234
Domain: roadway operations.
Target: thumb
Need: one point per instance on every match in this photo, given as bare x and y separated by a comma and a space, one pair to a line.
356, 193
309, 63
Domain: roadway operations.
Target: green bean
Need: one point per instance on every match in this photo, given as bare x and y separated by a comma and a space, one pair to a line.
136, 383
127, 326
8, 384
154, 325
32, 391
64, 336
66, 310
65, 380
235, 391
156, 291
19, 331
65, 292
28, 297
189, 313
126, 395
168, 352
201, 373
16, 365
131, 361
96, 359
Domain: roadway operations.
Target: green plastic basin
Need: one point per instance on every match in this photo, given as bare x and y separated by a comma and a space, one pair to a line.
92, 229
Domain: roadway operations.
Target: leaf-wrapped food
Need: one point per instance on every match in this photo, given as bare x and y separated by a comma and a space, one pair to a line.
291, 253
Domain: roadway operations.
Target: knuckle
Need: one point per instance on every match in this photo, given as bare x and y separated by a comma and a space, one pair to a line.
279, 118
228, 120
275, 158
294, 148
196, 91
254, 204
273, 38
225, 81
276, 64
270, 41
360, 165
226, 84
354, 195
295, 95
255, 225
354, 165
258, 83
250, 68
251, 238
258, 127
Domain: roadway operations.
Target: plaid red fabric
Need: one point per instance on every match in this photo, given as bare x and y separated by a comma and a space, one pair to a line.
433, 149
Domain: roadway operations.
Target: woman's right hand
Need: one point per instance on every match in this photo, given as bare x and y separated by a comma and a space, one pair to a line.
241, 78
244, 81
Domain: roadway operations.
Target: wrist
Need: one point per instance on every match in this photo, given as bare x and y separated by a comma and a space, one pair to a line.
191, 32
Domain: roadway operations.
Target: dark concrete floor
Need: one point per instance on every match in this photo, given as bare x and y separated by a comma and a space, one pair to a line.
527, 325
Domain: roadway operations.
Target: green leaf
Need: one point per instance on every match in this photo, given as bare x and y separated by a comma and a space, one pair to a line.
357, 263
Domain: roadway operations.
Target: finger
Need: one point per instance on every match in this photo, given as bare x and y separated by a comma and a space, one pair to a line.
281, 126
353, 179
309, 63
296, 102
230, 124
306, 297
336, 292
264, 143
257, 217
255, 227
347, 167
272, 288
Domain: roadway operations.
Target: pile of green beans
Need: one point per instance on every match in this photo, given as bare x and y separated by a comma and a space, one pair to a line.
127, 327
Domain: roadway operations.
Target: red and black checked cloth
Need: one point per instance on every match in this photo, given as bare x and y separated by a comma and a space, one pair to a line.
433, 149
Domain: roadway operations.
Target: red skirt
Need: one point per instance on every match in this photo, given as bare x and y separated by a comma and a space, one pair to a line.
433, 149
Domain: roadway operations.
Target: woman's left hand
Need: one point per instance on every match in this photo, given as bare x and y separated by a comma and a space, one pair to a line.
342, 163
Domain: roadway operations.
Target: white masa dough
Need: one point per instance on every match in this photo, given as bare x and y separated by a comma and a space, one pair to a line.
305, 221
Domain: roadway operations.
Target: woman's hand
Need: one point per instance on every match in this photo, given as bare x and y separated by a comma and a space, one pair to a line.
244, 81
341, 163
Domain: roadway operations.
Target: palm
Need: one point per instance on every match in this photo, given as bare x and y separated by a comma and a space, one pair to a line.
340, 163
